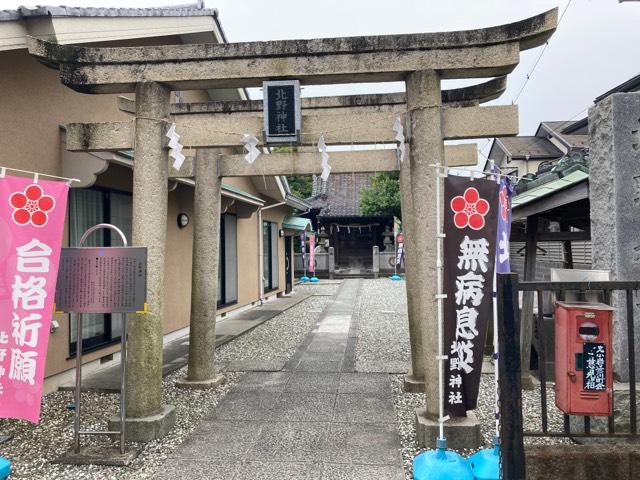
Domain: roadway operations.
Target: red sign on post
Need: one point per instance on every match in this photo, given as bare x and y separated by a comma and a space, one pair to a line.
31, 222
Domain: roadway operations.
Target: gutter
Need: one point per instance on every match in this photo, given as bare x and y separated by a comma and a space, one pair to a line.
297, 203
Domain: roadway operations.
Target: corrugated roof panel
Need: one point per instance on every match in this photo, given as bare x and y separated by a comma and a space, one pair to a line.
549, 188
296, 223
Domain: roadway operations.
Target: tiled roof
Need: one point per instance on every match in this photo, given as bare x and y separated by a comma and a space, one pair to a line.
558, 126
535, 147
576, 141
339, 196
63, 11
572, 141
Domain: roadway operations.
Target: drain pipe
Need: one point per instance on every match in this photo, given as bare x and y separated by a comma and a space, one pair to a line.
261, 250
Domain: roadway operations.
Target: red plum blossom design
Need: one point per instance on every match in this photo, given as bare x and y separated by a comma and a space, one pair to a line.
469, 209
31, 206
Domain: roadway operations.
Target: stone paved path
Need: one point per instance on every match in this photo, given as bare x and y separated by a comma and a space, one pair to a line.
316, 419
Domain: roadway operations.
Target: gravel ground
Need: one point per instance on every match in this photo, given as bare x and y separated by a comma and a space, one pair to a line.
33, 447
383, 338
279, 337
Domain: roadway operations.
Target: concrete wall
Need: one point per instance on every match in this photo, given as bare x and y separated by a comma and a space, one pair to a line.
580, 462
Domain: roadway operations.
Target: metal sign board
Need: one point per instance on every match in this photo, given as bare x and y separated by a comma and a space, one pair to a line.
282, 118
102, 280
593, 368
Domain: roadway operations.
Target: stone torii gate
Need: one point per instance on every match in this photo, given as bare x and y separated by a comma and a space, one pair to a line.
421, 60
206, 116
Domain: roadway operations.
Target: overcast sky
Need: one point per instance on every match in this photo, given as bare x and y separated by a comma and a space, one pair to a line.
596, 47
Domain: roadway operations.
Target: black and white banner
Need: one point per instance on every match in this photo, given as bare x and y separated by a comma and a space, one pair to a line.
470, 223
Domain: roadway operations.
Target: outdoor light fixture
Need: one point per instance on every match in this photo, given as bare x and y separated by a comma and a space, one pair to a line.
183, 220
281, 232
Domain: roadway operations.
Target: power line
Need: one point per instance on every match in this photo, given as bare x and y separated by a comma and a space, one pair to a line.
526, 81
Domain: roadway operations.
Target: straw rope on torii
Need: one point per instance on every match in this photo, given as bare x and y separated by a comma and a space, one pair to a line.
421, 60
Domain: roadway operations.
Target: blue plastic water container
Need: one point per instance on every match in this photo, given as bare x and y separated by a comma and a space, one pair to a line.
485, 464
304, 279
441, 464
5, 468
395, 278
314, 280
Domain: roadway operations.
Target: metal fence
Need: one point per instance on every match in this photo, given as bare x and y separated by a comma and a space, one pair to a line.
510, 364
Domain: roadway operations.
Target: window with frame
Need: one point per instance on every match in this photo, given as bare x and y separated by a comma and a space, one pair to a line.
270, 273
228, 260
88, 207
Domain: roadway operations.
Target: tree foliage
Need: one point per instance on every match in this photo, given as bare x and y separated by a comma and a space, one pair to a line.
300, 185
382, 198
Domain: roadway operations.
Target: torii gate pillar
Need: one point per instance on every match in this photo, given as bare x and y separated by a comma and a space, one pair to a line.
204, 284
146, 417
414, 380
424, 103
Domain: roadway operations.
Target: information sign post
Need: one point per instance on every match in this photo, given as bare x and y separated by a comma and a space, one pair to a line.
101, 280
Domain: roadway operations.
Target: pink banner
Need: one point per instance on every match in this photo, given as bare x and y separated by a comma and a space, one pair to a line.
31, 223
312, 253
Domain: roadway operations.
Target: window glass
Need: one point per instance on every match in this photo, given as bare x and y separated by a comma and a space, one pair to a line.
266, 255
270, 255
88, 207
231, 258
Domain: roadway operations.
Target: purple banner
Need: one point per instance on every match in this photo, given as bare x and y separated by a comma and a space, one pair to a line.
303, 250
505, 192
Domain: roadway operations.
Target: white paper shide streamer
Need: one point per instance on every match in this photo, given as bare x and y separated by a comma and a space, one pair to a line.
399, 129
326, 168
175, 147
250, 143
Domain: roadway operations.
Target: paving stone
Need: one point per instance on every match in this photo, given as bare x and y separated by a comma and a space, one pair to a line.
327, 346
363, 443
247, 405
330, 337
333, 471
292, 441
196, 470
313, 382
256, 365
335, 324
219, 440
265, 381
305, 407
322, 356
279, 471
379, 384
319, 366
364, 408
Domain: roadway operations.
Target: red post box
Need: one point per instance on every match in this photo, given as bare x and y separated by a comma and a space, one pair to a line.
583, 362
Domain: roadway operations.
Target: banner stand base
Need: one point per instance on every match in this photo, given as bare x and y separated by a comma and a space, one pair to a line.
460, 432
96, 455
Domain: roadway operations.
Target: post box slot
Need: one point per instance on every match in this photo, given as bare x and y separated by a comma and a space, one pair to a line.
589, 330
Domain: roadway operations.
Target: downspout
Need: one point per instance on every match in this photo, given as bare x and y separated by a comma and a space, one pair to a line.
260, 250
